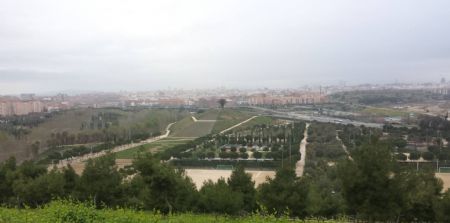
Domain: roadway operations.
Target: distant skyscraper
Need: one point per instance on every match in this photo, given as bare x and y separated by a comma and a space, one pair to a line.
443, 80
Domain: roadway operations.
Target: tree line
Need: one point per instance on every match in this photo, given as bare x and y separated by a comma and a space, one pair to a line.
370, 187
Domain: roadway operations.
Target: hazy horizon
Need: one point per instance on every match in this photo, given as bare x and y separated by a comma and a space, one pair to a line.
50, 46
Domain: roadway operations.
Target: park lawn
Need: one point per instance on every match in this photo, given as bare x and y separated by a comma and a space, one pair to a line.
211, 114
151, 147
188, 128
225, 118
376, 111
229, 117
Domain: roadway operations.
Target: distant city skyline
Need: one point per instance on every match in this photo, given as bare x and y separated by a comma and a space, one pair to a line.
314, 87
50, 46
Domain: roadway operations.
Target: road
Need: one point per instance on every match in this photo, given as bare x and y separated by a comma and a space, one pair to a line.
237, 125
300, 166
326, 119
80, 159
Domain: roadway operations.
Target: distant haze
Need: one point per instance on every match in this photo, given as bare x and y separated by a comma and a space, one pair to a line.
146, 45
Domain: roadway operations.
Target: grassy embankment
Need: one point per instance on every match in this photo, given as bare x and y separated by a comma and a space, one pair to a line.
61, 211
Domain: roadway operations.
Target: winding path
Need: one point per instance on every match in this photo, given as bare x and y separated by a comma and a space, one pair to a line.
300, 166
80, 159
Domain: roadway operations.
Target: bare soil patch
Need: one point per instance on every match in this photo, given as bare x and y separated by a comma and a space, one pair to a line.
199, 176
445, 177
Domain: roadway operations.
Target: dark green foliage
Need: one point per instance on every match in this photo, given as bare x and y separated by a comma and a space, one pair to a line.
370, 186
220, 198
100, 181
257, 155
422, 193
443, 208
165, 189
401, 156
428, 156
414, 156
284, 194
241, 182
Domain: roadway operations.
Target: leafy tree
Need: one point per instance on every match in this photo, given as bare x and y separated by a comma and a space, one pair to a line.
222, 102
423, 192
210, 154
428, 156
324, 198
7, 175
284, 194
244, 155
401, 156
39, 190
241, 182
400, 142
166, 189
71, 180
100, 181
220, 198
257, 155
369, 183
414, 156
443, 208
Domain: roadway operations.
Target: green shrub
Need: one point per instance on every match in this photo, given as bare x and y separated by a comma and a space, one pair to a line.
401, 156
414, 156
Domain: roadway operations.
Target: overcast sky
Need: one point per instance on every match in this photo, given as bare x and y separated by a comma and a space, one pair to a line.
110, 45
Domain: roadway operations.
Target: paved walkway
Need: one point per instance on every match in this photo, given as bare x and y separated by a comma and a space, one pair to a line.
202, 120
300, 166
237, 125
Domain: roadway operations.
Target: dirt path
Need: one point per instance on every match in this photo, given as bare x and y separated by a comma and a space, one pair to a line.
300, 166
239, 124
75, 161
344, 147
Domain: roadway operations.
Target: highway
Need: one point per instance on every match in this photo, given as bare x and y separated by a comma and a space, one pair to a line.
326, 119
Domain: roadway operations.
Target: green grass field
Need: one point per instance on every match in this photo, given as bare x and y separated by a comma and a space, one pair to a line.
376, 111
229, 117
188, 128
225, 118
210, 114
63, 211
151, 147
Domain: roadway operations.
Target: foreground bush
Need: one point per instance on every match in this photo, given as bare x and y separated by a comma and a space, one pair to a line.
75, 212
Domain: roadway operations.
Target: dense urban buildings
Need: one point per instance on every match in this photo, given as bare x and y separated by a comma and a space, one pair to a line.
201, 98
